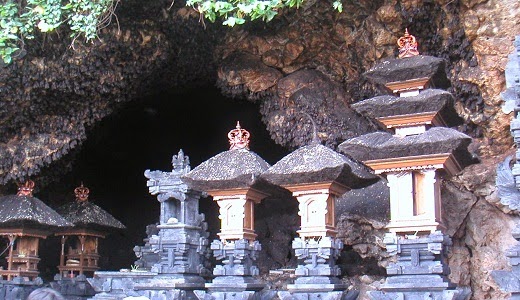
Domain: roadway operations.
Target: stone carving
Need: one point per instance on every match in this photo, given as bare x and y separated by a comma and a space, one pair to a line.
237, 258
146, 254
417, 255
507, 189
175, 250
182, 236
508, 180
420, 271
317, 257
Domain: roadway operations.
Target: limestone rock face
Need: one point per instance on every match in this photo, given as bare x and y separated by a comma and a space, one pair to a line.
51, 94
305, 66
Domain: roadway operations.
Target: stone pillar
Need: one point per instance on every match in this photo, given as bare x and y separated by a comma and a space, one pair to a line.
237, 248
317, 248
175, 249
420, 271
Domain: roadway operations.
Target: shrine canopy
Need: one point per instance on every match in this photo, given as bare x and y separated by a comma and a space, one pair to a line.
316, 163
431, 106
383, 145
84, 214
23, 211
316, 175
236, 168
395, 74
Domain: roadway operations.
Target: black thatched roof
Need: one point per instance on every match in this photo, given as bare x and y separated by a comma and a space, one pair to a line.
429, 100
85, 214
380, 145
29, 212
237, 168
415, 67
318, 163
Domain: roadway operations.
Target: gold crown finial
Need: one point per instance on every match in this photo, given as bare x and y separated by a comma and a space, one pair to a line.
81, 193
407, 45
238, 138
26, 188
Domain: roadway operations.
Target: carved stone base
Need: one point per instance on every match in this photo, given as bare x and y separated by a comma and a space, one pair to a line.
317, 270
234, 278
417, 255
243, 295
420, 271
238, 257
18, 288
452, 294
76, 288
119, 285
315, 295
317, 257
416, 283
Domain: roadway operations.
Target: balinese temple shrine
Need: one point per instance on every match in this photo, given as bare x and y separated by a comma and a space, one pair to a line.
79, 251
231, 178
414, 155
172, 262
316, 175
24, 221
80, 244
405, 163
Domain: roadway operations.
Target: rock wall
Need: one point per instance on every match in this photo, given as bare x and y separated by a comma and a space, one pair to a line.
55, 90
305, 66
475, 37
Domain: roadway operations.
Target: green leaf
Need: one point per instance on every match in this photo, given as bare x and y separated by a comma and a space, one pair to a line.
338, 5
230, 21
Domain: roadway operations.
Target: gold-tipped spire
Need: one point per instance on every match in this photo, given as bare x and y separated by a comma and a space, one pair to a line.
407, 45
238, 138
81, 193
26, 189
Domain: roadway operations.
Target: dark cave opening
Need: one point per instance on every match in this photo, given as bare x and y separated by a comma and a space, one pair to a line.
145, 134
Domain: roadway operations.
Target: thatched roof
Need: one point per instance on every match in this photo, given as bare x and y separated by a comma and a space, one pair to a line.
429, 100
415, 67
317, 163
437, 140
85, 214
29, 212
237, 168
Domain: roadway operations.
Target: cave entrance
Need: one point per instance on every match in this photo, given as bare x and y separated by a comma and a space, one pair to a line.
145, 134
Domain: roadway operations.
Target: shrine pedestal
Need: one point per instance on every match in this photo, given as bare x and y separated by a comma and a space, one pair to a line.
420, 271
317, 271
234, 278
118, 285
77, 288
18, 288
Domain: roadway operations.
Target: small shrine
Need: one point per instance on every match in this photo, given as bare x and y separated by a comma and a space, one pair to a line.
414, 155
24, 221
230, 178
316, 175
172, 261
79, 244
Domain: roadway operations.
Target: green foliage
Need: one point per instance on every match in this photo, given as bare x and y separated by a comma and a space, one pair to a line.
237, 11
19, 20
